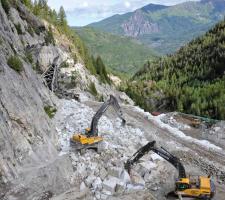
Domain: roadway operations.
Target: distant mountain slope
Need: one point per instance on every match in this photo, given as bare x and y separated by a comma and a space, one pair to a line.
121, 54
191, 81
166, 28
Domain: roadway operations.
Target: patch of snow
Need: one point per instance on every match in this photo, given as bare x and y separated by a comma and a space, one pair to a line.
176, 131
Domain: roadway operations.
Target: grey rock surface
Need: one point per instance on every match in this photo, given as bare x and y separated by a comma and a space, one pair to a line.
138, 25
29, 162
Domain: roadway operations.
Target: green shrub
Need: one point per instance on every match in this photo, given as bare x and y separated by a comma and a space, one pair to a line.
29, 57
101, 98
1, 41
37, 30
49, 38
50, 111
37, 67
5, 5
74, 78
30, 31
64, 64
15, 63
92, 89
18, 28
101, 70
27, 3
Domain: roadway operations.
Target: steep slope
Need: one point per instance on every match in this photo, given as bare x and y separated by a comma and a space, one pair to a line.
121, 54
191, 81
37, 161
31, 165
28, 140
165, 28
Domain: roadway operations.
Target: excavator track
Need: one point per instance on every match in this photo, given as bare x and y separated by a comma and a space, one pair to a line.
80, 147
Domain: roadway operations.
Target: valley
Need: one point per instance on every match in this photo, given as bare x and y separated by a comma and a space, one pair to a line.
54, 79
120, 54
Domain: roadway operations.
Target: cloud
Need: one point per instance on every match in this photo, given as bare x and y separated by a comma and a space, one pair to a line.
80, 13
85, 4
127, 4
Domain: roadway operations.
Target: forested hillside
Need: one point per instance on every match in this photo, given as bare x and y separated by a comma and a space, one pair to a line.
166, 28
191, 81
121, 54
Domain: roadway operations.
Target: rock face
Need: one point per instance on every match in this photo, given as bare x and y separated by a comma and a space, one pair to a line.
30, 164
29, 161
139, 25
218, 5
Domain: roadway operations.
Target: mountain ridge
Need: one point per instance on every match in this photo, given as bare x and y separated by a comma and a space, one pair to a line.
165, 28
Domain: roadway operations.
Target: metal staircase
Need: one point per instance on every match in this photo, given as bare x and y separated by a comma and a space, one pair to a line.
51, 76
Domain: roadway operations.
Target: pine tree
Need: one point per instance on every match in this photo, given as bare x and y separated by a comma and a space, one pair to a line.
62, 17
101, 70
27, 3
36, 9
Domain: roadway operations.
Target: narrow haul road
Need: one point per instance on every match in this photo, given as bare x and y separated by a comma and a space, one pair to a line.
196, 158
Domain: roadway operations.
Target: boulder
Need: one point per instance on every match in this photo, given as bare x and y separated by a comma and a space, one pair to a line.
136, 179
115, 171
133, 188
145, 167
147, 177
89, 180
110, 183
125, 177
82, 186
155, 157
97, 184
103, 173
120, 187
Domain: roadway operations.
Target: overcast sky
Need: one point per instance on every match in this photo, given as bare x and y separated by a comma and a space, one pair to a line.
83, 12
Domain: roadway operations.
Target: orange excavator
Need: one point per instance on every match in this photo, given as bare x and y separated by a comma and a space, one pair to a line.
90, 138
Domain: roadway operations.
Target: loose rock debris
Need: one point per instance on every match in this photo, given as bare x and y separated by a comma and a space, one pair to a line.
103, 172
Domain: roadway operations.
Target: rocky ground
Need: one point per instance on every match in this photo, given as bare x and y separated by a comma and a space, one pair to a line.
101, 175
34, 167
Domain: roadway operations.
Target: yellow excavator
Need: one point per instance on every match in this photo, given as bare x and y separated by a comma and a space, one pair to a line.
90, 138
185, 186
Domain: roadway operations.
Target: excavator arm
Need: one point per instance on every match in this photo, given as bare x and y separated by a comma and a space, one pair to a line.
112, 101
161, 152
138, 155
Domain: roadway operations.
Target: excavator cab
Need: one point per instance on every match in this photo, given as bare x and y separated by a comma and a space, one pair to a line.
182, 184
90, 138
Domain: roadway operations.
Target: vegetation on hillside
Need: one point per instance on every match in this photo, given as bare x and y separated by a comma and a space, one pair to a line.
50, 111
177, 24
15, 63
101, 69
192, 80
58, 19
121, 54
